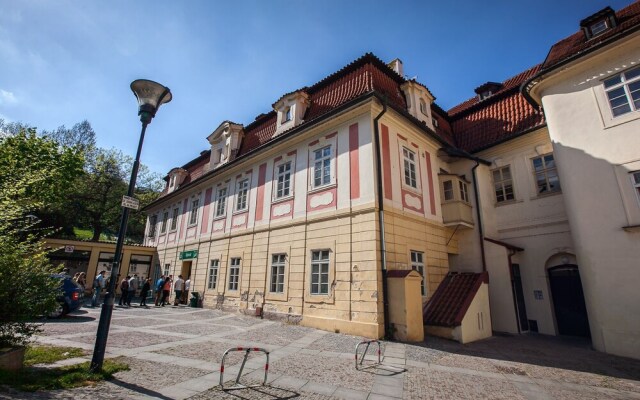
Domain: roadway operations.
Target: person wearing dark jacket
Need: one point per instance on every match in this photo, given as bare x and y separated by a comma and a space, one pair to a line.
144, 292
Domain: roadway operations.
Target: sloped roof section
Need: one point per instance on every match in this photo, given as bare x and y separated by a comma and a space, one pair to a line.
479, 124
628, 21
452, 299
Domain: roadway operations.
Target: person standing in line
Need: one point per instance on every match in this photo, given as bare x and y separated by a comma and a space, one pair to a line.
98, 285
166, 289
178, 286
82, 280
124, 291
133, 286
159, 285
144, 292
187, 286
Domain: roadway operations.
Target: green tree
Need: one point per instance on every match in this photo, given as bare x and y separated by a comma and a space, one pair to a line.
33, 173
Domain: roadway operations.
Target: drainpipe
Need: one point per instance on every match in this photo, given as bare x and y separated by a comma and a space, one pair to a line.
383, 247
478, 214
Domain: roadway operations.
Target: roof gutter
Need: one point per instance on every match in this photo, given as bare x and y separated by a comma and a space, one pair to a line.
528, 85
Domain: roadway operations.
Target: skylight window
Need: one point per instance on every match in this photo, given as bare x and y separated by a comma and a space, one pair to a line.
599, 27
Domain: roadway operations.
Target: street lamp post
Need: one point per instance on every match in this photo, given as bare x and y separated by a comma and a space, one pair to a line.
151, 95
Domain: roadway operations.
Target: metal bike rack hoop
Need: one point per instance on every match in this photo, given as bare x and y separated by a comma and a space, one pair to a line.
368, 343
246, 350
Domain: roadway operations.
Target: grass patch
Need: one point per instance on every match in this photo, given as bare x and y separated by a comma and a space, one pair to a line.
49, 354
32, 379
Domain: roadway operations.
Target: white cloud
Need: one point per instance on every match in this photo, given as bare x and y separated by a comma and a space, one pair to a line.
7, 97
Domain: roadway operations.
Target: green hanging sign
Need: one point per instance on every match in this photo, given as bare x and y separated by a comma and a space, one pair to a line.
185, 255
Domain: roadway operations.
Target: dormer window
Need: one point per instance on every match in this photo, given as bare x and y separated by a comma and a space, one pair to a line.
225, 142
599, 23
291, 109
419, 100
487, 90
176, 177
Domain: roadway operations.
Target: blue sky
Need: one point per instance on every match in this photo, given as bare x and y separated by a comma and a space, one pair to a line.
65, 61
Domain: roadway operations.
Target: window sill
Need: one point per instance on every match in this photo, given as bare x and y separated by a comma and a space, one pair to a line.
631, 228
238, 212
408, 188
192, 225
321, 188
282, 199
507, 202
219, 217
548, 194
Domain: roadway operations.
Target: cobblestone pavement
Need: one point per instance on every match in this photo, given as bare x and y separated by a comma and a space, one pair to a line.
175, 353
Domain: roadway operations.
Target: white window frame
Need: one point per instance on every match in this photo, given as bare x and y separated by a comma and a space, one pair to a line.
448, 190
410, 172
221, 202
464, 190
174, 219
501, 184
322, 164
212, 276
167, 268
234, 274
417, 264
320, 259
423, 107
625, 83
193, 215
599, 27
286, 176
163, 226
545, 173
287, 114
242, 194
278, 273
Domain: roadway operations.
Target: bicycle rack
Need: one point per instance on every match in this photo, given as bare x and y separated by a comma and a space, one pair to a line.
368, 343
246, 350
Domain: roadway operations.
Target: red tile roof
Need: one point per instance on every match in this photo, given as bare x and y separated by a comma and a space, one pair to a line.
628, 21
452, 299
479, 124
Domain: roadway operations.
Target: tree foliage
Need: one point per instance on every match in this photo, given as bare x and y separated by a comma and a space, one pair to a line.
34, 172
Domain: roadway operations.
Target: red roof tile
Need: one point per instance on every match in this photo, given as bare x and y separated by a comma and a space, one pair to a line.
628, 20
479, 124
452, 299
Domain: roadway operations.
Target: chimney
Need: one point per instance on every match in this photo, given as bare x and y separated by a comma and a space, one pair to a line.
396, 65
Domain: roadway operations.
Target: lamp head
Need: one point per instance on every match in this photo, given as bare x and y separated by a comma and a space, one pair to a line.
151, 95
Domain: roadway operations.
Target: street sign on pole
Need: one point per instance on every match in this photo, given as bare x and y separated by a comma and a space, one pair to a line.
130, 202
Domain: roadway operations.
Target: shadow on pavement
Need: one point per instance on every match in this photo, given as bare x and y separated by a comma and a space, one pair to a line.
568, 353
138, 389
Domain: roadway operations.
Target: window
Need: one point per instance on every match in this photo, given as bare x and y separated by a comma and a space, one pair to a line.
172, 181
322, 166
277, 273
234, 273
599, 27
448, 190
212, 281
423, 107
546, 174
409, 168
153, 220
623, 92
503, 184
417, 264
167, 267
222, 202
286, 116
174, 219
320, 272
193, 217
464, 192
635, 179
165, 217
283, 182
242, 192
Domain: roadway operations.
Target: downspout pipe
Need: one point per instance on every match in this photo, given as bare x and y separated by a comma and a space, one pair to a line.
478, 214
383, 247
